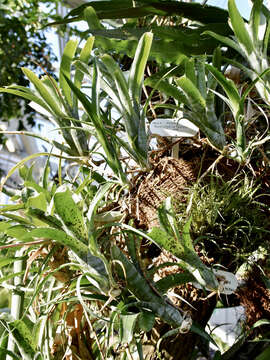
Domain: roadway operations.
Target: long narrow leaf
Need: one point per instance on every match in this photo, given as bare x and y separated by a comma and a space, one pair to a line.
255, 22
94, 203
192, 93
27, 96
53, 103
139, 286
168, 89
110, 151
225, 40
65, 68
123, 93
96, 88
22, 336
70, 213
85, 56
239, 28
230, 89
92, 19
136, 76
61, 237
266, 39
171, 281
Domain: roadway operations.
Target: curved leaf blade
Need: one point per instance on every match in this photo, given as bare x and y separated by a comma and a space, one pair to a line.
70, 213
47, 97
136, 76
239, 28
65, 68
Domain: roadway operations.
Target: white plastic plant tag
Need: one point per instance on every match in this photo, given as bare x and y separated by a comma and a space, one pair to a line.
186, 324
173, 128
227, 282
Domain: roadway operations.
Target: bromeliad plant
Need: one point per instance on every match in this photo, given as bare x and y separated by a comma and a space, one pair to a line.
240, 148
124, 96
93, 294
61, 104
74, 248
193, 93
169, 238
251, 41
196, 92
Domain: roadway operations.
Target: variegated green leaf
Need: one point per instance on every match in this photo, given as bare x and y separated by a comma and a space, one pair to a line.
139, 286
62, 238
229, 87
22, 336
136, 75
53, 102
181, 246
70, 213
258, 22
127, 326
37, 202
27, 96
123, 93
168, 89
239, 28
19, 232
65, 68
197, 102
108, 146
85, 56
225, 40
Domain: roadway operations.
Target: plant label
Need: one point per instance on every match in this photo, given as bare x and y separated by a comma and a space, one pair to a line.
227, 282
173, 128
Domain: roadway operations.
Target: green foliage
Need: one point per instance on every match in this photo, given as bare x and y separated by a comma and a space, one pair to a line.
126, 96
22, 334
227, 215
251, 40
196, 12
51, 102
180, 245
169, 41
200, 100
88, 279
139, 286
62, 217
21, 45
194, 90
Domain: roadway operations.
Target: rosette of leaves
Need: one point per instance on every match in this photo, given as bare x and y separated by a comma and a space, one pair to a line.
125, 97
251, 41
194, 93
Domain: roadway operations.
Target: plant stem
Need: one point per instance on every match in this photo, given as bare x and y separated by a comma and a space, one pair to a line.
17, 298
24, 244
